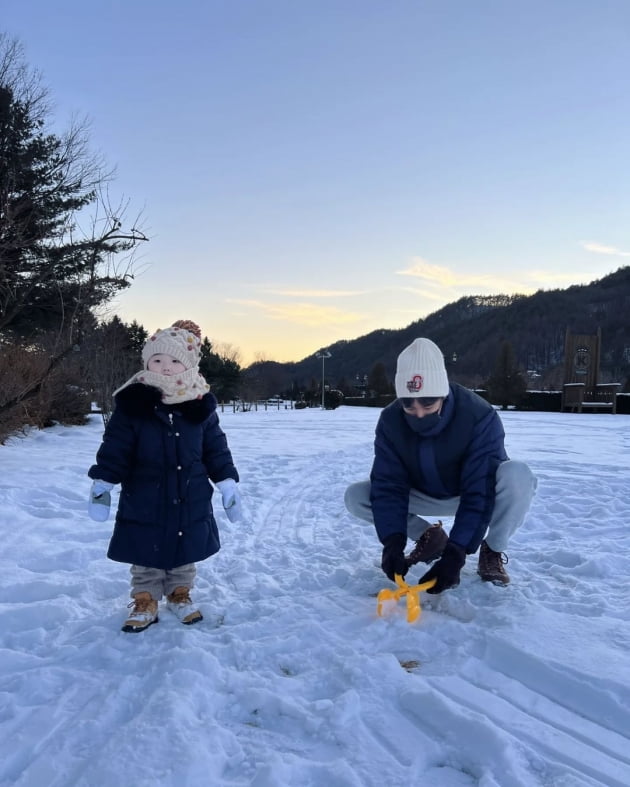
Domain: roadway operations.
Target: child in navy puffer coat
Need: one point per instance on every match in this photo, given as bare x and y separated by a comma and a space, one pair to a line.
163, 444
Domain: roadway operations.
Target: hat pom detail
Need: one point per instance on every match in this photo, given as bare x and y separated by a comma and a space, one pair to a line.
188, 325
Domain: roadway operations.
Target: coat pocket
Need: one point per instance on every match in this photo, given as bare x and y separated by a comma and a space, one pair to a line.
140, 502
199, 497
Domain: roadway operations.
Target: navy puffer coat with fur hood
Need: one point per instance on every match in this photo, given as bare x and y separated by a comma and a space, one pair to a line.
163, 455
458, 458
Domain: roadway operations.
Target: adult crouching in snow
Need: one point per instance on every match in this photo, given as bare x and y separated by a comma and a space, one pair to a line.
162, 444
439, 451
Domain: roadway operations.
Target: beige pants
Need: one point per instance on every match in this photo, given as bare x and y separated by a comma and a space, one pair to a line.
159, 581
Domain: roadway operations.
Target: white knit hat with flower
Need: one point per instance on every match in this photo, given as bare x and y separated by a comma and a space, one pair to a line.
182, 341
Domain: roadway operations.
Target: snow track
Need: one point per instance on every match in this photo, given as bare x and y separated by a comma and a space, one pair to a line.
292, 680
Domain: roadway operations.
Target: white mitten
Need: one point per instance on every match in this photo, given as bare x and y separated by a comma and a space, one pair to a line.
100, 500
231, 499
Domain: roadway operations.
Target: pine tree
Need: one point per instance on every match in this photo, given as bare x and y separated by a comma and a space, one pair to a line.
111, 353
378, 383
222, 372
48, 270
53, 274
506, 385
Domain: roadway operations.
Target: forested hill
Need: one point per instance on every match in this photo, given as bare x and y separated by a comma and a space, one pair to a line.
470, 332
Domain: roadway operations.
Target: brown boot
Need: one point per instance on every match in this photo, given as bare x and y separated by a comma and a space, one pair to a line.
429, 546
180, 604
144, 613
491, 564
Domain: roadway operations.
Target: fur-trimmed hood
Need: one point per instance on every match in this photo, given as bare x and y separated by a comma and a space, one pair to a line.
162, 455
140, 401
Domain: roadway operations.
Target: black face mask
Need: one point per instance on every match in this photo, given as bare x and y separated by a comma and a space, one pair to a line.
423, 425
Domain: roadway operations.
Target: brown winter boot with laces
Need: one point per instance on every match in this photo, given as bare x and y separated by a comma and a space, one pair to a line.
144, 613
491, 564
180, 604
429, 546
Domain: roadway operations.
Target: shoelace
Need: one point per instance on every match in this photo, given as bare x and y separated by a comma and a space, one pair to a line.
496, 560
420, 545
423, 541
139, 606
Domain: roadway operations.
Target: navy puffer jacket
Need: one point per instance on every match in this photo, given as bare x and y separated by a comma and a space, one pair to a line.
163, 455
459, 458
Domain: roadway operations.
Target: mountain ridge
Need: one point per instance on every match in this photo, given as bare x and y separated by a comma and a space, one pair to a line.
471, 330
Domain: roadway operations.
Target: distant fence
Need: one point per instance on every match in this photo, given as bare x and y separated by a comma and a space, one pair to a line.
240, 406
534, 401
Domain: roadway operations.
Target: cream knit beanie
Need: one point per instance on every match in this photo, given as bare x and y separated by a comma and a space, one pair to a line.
421, 371
181, 341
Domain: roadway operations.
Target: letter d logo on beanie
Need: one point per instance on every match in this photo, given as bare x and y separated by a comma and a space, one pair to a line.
420, 370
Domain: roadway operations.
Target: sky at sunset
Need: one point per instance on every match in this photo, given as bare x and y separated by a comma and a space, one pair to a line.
310, 171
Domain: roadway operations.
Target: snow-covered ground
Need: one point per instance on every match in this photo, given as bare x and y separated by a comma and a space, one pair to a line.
292, 680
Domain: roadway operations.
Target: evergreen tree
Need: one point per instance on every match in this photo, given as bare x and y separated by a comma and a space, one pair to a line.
506, 385
111, 354
52, 273
222, 372
377, 380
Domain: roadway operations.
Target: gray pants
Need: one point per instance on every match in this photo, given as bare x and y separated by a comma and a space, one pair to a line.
514, 488
158, 581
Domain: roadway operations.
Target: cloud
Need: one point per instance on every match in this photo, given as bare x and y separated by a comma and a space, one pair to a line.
302, 313
317, 293
436, 274
445, 278
600, 248
440, 283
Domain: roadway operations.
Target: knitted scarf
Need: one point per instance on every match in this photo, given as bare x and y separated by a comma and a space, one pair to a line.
177, 388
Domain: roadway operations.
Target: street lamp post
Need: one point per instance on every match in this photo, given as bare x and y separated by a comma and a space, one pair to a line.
451, 364
323, 355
